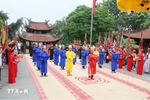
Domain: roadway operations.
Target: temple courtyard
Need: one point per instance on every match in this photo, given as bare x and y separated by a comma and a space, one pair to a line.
122, 85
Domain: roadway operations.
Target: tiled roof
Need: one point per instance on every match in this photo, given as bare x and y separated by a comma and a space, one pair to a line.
137, 34
35, 37
39, 26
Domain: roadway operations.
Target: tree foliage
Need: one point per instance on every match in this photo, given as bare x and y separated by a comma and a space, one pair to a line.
1, 23
78, 23
3, 16
14, 27
58, 29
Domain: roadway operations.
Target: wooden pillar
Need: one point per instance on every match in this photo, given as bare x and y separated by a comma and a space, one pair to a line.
24, 46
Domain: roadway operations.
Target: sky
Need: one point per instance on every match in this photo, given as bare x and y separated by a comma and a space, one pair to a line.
41, 10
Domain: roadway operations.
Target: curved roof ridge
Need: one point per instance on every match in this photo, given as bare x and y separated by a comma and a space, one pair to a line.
39, 37
137, 34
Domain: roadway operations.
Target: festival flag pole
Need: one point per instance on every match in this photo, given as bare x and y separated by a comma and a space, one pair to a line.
118, 35
105, 39
141, 41
128, 39
121, 40
93, 10
85, 39
99, 39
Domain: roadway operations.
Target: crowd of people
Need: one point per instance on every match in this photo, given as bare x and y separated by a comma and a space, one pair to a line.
10, 56
66, 57
120, 57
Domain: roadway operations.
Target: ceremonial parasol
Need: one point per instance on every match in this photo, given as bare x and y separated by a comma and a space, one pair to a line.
134, 5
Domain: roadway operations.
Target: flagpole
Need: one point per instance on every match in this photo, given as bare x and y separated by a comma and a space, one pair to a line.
91, 30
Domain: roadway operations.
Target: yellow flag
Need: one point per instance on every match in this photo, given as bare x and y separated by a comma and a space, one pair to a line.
3, 37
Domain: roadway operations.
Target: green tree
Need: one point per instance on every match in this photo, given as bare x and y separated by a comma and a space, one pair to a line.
78, 23
3, 16
14, 27
1, 23
58, 29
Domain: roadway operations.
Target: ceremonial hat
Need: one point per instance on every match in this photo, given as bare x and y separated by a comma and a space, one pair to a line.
93, 47
62, 45
36, 43
69, 46
44, 47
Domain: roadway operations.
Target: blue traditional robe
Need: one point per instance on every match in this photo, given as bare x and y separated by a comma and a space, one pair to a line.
56, 56
84, 54
88, 51
101, 57
114, 61
34, 54
62, 58
38, 53
75, 51
44, 56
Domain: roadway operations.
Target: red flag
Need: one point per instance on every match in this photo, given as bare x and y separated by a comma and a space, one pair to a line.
85, 38
141, 41
94, 6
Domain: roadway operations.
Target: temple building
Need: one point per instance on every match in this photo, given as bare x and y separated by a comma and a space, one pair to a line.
136, 35
38, 32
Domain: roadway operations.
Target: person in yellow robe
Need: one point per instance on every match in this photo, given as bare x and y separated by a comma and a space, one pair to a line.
70, 55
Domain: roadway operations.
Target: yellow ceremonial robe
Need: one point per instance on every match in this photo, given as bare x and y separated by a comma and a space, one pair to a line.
69, 61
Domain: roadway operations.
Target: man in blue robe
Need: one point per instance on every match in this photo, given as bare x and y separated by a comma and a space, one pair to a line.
62, 57
101, 57
114, 61
44, 56
34, 54
84, 54
38, 53
56, 55
75, 51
